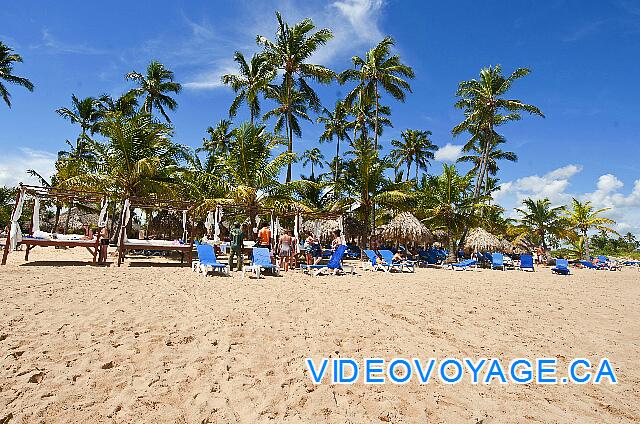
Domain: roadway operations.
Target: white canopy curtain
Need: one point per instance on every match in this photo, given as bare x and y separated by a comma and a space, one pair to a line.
208, 223
15, 234
343, 236
272, 228
36, 215
126, 216
104, 214
296, 227
184, 226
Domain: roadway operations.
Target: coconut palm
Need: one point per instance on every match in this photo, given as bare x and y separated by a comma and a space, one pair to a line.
474, 155
378, 70
292, 105
219, 138
138, 158
252, 78
84, 112
155, 87
336, 126
290, 53
7, 59
415, 147
582, 217
250, 171
485, 107
315, 157
447, 201
540, 220
366, 183
125, 104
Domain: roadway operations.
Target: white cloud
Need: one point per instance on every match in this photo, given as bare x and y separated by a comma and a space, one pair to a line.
212, 78
13, 166
448, 153
555, 185
53, 45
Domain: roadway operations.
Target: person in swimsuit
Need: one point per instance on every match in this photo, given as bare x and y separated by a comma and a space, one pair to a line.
285, 250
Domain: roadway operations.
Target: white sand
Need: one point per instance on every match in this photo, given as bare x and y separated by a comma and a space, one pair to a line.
163, 345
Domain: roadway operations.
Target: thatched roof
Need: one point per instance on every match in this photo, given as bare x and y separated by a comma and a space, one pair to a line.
479, 239
440, 235
322, 228
407, 227
78, 219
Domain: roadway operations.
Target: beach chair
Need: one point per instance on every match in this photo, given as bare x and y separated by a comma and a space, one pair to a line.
334, 264
373, 262
388, 264
497, 261
562, 267
261, 260
526, 262
207, 259
464, 265
590, 265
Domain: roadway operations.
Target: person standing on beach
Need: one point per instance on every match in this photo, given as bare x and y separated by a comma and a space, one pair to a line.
285, 250
264, 237
237, 242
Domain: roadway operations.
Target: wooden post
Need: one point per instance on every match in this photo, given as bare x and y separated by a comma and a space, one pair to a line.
5, 253
123, 229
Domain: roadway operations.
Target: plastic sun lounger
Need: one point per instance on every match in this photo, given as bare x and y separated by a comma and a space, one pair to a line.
207, 259
562, 267
261, 260
464, 265
334, 264
526, 262
387, 256
497, 261
373, 260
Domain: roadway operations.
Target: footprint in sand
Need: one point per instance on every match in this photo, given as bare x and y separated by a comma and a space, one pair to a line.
108, 365
36, 378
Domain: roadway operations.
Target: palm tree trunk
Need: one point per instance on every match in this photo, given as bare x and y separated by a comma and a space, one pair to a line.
586, 244
290, 146
375, 124
335, 177
451, 257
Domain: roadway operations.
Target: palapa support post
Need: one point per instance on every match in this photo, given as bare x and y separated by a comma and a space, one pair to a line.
123, 229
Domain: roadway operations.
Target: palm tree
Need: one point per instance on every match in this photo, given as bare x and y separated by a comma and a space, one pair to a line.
289, 53
315, 157
219, 138
335, 125
485, 108
250, 171
493, 155
447, 201
582, 217
415, 147
366, 183
86, 113
541, 220
7, 59
292, 106
247, 84
125, 104
378, 69
154, 87
137, 159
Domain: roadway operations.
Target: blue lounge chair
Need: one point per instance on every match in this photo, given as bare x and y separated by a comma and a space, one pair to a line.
374, 261
497, 261
207, 259
261, 260
562, 267
388, 264
334, 264
464, 265
526, 262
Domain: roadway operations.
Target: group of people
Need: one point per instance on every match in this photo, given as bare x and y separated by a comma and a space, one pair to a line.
287, 247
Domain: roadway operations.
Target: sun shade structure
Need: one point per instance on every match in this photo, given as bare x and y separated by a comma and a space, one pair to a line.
36, 237
126, 244
406, 227
481, 240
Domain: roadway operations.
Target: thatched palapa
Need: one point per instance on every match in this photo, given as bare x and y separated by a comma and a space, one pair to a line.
406, 227
481, 240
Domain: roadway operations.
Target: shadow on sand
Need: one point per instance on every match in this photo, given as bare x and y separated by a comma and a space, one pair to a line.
66, 263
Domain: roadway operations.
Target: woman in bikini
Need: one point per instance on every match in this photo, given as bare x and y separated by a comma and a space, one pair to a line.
285, 250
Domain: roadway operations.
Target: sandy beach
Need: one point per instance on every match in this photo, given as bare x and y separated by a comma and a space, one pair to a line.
162, 344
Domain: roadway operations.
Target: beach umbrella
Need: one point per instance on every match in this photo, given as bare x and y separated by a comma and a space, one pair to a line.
406, 227
480, 240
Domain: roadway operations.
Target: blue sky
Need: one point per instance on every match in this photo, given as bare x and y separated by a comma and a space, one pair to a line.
583, 54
